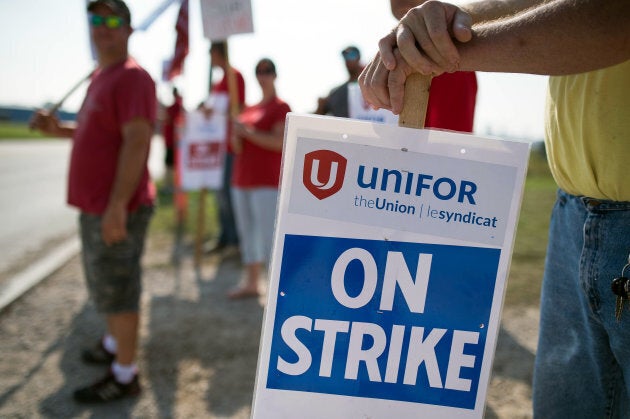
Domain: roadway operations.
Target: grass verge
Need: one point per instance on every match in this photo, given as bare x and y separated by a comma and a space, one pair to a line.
14, 130
167, 219
530, 246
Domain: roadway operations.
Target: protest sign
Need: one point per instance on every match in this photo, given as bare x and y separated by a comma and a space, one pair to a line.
202, 149
223, 18
391, 252
358, 108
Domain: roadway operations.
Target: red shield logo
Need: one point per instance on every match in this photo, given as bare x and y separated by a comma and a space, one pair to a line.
324, 171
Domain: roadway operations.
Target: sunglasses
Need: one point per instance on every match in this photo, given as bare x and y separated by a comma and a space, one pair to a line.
111, 22
350, 55
264, 71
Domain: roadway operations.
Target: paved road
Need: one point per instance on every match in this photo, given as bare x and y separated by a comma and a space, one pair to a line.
32, 185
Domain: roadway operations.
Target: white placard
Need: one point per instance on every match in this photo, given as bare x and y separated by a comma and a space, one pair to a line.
202, 151
391, 252
358, 108
223, 18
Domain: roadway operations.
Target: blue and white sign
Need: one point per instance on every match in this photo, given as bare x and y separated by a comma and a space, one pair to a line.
391, 252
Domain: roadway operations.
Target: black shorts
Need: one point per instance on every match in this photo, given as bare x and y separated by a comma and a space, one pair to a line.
169, 157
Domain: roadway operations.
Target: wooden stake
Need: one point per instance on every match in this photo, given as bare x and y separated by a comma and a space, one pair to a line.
234, 111
415, 101
180, 198
201, 215
232, 87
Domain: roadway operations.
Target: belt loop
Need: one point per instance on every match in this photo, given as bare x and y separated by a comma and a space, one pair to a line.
589, 202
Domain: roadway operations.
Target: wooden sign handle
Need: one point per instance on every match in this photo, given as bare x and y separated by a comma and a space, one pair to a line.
415, 101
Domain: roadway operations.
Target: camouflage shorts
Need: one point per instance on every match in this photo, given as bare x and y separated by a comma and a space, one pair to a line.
113, 273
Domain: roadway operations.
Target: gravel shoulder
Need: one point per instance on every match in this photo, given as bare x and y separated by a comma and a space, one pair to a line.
198, 350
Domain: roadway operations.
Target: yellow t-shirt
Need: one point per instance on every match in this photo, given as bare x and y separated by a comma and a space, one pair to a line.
588, 132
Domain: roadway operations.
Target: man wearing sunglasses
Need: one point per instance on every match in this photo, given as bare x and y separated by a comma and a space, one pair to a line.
109, 183
336, 103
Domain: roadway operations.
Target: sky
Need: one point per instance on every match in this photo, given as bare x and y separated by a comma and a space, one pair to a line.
45, 52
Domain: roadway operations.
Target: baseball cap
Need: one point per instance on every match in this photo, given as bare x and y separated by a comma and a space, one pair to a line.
117, 6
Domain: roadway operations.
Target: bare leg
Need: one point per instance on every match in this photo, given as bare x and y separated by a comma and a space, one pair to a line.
124, 327
250, 288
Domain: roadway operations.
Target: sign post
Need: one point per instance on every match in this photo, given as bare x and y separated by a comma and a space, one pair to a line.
203, 149
415, 101
221, 19
391, 254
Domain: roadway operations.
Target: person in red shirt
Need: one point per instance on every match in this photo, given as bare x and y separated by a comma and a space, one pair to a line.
452, 101
228, 235
109, 183
257, 141
172, 119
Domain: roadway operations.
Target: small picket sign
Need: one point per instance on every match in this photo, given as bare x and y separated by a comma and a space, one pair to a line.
391, 252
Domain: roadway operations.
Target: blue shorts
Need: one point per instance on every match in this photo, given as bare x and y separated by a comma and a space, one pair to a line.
113, 272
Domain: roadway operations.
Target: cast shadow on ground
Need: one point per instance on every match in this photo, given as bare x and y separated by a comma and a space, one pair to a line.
212, 341
511, 361
188, 322
215, 338
86, 327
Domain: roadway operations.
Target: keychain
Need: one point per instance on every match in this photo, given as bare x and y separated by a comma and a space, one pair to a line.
620, 286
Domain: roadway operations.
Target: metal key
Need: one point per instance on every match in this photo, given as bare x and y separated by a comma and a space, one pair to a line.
620, 286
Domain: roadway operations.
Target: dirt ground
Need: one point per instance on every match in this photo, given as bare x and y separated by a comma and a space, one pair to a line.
198, 350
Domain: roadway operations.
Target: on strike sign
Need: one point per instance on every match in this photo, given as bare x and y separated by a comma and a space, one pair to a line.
391, 252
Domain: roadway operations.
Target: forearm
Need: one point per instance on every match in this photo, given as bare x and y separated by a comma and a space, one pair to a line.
66, 130
269, 140
130, 167
488, 10
551, 39
400, 7
480, 11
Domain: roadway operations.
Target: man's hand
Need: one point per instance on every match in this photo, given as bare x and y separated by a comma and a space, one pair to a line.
45, 122
382, 88
425, 37
423, 42
114, 224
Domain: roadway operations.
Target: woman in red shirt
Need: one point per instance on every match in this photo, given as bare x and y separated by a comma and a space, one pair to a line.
257, 143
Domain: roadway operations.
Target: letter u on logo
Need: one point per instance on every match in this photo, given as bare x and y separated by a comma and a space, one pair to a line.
324, 171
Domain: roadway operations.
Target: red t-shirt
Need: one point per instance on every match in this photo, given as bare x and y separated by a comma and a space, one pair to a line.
452, 101
115, 96
174, 115
222, 86
256, 166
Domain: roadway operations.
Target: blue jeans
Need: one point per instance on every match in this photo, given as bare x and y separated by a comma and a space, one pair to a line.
228, 234
582, 367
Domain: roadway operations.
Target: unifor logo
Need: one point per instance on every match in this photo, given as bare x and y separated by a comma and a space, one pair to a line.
324, 171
